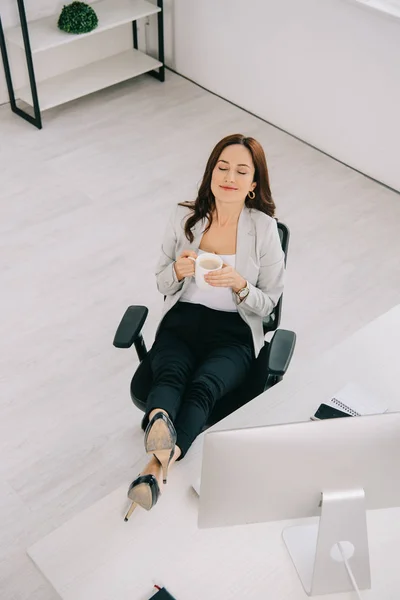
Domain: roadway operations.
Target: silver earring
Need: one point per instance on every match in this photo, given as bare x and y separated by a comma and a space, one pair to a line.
251, 195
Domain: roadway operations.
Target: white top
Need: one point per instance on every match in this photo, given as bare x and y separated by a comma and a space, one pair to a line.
217, 298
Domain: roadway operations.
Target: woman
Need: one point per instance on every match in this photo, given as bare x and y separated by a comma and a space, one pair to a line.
207, 339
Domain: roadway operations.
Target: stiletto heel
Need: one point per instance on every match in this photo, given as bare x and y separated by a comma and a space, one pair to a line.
164, 458
160, 440
130, 511
143, 491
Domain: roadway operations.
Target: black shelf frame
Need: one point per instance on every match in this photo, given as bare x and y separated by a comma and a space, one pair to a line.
36, 118
160, 72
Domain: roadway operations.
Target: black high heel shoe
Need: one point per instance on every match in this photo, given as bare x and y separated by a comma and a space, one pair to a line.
143, 491
160, 440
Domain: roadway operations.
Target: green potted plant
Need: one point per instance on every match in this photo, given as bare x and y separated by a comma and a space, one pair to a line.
77, 17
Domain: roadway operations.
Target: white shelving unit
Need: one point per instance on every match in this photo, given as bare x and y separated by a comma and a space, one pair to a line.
44, 35
91, 78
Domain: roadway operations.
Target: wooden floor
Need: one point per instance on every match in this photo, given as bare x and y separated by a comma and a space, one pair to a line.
81, 202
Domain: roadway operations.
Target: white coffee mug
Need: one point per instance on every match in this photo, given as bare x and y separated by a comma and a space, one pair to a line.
205, 263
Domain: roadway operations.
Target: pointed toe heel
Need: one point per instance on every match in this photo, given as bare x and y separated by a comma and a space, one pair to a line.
144, 491
160, 440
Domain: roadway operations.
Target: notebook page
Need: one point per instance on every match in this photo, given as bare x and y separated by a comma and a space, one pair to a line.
356, 401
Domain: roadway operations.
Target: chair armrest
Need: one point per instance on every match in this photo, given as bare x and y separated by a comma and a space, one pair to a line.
281, 349
130, 326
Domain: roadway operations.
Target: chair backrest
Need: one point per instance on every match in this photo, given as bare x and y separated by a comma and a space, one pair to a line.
271, 323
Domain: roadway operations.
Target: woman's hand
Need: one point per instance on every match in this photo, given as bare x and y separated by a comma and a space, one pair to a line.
226, 277
184, 266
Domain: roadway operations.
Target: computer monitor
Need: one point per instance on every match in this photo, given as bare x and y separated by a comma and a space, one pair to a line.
335, 469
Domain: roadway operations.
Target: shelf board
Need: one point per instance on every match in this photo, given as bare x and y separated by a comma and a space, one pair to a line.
91, 78
44, 33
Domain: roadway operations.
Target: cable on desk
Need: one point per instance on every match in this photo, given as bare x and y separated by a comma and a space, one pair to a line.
349, 571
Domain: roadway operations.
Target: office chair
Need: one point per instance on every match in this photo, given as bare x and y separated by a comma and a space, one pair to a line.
267, 370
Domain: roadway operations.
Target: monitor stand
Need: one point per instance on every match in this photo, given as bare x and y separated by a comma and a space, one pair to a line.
314, 548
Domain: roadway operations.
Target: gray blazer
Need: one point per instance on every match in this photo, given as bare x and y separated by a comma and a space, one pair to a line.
259, 259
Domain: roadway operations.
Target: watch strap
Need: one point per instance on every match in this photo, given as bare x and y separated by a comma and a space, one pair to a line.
245, 288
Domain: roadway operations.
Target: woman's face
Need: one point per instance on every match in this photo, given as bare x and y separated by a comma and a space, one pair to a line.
232, 177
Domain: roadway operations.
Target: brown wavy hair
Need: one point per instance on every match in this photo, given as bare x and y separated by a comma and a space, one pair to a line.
204, 205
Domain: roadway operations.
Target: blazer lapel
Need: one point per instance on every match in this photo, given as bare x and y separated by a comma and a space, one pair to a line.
244, 241
198, 234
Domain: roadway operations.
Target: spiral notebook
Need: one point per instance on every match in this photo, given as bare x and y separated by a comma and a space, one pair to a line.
356, 401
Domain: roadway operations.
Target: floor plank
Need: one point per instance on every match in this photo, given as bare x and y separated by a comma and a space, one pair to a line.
81, 203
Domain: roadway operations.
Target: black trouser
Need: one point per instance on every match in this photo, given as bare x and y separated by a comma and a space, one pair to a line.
198, 356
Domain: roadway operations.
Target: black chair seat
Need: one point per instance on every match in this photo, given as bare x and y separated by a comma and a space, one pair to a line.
262, 376
267, 370
141, 384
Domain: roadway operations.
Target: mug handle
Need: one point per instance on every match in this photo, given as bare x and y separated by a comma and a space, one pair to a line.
191, 258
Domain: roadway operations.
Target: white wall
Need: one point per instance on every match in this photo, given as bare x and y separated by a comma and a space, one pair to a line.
327, 71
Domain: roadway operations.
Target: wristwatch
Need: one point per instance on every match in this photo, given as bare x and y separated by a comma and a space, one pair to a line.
243, 293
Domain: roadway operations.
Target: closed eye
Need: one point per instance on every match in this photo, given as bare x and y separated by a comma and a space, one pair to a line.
239, 172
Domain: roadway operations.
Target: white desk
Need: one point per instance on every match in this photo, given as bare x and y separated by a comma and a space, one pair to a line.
98, 556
